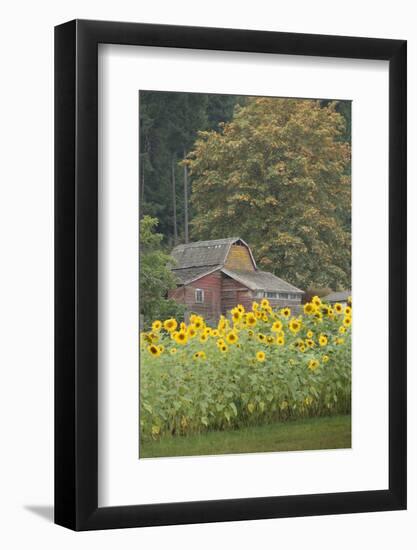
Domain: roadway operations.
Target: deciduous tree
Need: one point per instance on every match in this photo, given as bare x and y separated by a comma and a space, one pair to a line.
278, 175
156, 278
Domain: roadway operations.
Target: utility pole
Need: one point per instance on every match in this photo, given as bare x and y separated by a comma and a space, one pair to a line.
185, 201
174, 200
141, 183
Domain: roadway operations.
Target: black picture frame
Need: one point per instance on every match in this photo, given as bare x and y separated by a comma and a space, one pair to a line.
76, 272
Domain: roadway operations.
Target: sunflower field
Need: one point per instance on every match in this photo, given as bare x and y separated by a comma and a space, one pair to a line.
254, 367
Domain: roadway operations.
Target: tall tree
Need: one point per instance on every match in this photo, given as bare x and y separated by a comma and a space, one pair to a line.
278, 175
169, 123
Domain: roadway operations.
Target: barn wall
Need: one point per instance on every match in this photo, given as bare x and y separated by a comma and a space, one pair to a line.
234, 293
239, 258
221, 294
211, 308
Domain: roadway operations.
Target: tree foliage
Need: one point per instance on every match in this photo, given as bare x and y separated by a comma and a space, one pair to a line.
169, 123
156, 277
278, 175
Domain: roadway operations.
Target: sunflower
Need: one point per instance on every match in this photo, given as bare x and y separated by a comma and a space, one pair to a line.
264, 317
156, 325
261, 337
323, 340
215, 333
318, 316
220, 342
285, 312
338, 308
173, 351
153, 336
347, 321
280, 340
250, 320
191, 331
223, 348
316, 301
154, 350
309, 308
342, 329
302, 347
348, 310
258, 314
236, 315
313, 364
264, 303
203, 338
199, 355
232, 338
145, 337
170, 325
198, 323
221, 325
310, 343
251, 333
323, 309
340, 341
294, 325
255, 306
181, 337
260, 356
270, 339
325, 358
277, 326
349, 301
240, 309
310, 334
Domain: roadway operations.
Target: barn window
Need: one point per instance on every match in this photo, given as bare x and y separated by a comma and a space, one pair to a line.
199, 296
271, 294
287, 296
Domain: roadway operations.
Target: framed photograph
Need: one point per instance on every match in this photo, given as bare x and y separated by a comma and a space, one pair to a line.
230, 252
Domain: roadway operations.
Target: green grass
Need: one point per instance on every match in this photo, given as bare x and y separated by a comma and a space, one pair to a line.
333, 432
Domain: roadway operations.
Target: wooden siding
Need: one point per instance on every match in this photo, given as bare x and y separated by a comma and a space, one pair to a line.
239, 258
234, 293
211, 307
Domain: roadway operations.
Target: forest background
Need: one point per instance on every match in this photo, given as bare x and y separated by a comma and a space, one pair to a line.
273, 171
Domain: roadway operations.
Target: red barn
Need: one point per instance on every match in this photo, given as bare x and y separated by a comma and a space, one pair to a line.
215, 276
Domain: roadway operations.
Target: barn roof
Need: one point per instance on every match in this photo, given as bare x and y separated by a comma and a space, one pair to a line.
203, 253
341, 296
195, 260
262, 280
190, 274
